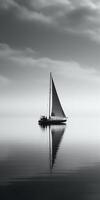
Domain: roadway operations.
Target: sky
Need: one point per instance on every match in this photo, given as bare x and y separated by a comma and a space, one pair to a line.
41, 36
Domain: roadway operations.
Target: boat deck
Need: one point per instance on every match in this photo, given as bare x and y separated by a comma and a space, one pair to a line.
51, 121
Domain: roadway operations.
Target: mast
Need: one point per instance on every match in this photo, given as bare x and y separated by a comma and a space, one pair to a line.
50, 96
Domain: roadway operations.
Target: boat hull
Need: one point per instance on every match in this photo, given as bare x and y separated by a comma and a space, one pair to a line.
51, 121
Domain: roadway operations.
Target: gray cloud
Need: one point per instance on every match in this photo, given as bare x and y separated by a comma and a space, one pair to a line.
27, 60
77, 17
24, 10
4, 81
8, 52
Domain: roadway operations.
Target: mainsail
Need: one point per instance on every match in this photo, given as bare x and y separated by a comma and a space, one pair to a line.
56, 108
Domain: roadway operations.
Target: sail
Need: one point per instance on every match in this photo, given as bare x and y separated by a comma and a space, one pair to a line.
57, 110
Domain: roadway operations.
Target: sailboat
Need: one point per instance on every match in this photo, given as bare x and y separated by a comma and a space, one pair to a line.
56, 113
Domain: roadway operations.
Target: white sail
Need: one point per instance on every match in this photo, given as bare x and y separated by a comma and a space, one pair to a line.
56, 108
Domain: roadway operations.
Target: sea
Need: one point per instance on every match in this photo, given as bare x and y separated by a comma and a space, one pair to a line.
53, 162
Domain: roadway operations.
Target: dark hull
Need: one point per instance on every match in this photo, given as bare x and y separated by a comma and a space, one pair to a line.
50, 122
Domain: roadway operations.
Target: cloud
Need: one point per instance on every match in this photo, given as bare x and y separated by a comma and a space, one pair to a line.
23, 62
25, 14
24, 11
7, 51
4, 80
70, 70
7, 4
73, 16
83, 20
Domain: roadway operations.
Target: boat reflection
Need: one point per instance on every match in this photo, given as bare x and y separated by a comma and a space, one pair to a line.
56, 133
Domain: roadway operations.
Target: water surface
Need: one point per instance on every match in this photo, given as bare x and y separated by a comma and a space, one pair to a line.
35, 158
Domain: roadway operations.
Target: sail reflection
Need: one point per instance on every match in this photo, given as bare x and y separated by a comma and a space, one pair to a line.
56, 133
55, 137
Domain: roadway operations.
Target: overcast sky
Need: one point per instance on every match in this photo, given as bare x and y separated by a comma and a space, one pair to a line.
39, 36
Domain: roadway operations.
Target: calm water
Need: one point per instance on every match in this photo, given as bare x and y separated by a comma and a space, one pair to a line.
58, 161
